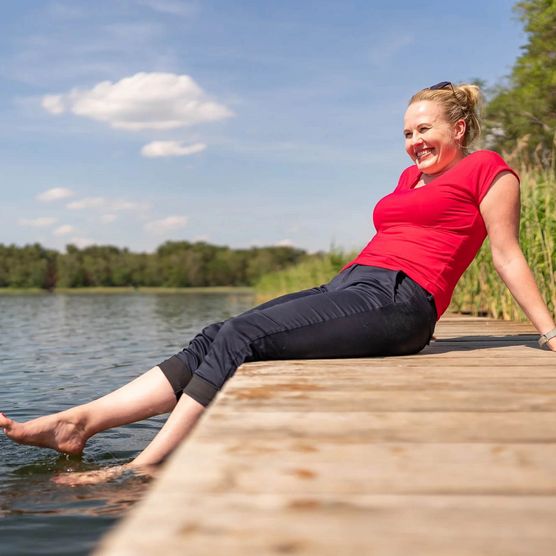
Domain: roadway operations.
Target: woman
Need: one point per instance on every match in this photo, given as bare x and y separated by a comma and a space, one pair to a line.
430, 228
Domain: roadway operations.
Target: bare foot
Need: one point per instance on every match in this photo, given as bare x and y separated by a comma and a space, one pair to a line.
61, 431
103, 475
90, 477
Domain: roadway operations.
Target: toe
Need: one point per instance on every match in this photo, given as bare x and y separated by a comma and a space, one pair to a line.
5, 422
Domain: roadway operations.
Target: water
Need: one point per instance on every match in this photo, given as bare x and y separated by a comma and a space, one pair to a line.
60, 350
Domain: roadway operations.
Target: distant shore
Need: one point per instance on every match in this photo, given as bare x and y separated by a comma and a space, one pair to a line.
128, 290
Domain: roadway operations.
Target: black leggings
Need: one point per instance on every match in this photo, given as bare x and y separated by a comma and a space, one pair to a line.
364, 311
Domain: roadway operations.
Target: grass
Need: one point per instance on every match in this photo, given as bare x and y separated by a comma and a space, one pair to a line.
128, 290
21, 291
311, 271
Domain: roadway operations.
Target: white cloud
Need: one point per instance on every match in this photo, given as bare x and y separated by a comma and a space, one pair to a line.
53, 104
167, 224
41, 222
82, 242
171, 148
64, 230
284, 243
109, 205
141, 101
55, 194
171, 7
107, 218
117, 205
86, 203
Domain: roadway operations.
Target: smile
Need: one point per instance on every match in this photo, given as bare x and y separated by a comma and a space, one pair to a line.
423, 153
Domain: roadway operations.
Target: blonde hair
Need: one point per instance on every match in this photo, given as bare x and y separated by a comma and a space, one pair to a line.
460, 102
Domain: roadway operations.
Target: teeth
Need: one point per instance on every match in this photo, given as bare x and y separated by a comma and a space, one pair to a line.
422, 153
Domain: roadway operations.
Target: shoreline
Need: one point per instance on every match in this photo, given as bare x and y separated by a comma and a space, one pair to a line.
241, 290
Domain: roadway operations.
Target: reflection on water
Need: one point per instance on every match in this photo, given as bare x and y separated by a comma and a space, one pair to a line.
60, 350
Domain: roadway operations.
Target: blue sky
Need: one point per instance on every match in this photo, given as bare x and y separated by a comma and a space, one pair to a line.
262, 122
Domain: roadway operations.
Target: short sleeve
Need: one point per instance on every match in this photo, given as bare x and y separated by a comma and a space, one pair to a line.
486, 166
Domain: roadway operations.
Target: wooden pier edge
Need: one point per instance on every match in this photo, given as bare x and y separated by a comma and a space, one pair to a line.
450, 452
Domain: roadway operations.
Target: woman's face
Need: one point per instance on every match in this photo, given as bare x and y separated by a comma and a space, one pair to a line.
431, 141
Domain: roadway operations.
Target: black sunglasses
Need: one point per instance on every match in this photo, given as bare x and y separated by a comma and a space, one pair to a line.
442, 85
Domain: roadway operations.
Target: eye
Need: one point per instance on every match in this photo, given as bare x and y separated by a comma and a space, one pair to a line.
407, 134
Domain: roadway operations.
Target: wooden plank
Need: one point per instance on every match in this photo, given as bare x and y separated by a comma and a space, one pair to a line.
291, 466
503, 363
398, 400
323, 525
369, 426
353, 370
335, 382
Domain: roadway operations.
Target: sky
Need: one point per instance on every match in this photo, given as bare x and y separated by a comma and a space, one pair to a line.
236, 122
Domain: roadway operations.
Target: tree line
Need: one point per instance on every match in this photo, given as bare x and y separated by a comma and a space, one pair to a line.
173, 264
521, 112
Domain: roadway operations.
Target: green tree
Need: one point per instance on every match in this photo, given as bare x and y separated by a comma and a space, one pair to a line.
521, 115
70, 269
174, 264
31, 266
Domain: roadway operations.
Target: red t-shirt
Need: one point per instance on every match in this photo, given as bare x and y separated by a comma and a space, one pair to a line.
432, 233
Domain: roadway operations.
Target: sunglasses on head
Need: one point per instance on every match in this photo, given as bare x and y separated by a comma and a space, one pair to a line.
442, 85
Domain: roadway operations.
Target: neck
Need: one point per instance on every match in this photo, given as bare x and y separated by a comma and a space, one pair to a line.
429, 177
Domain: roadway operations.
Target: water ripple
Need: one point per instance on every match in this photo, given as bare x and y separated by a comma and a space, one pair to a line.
60, 350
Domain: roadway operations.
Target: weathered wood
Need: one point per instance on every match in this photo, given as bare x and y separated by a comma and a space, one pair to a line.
394, 400
305, 467
324, 525
367, 426
451, 452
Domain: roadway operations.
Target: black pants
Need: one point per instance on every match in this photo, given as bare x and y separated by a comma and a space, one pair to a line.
364, 311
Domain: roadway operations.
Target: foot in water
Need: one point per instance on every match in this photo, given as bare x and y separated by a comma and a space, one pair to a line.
90, 477
104, 475
60, 431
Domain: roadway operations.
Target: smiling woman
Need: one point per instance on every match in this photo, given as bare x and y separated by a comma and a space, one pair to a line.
383, 303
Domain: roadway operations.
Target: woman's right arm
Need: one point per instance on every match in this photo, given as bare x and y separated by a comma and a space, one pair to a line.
500, 209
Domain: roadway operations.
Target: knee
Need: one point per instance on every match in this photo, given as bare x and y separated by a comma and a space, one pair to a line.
243, 329
232, 327
209, 332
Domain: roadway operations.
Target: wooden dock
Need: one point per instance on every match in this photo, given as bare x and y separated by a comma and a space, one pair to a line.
451, 452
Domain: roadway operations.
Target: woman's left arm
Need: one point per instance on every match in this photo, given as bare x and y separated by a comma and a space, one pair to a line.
500, 209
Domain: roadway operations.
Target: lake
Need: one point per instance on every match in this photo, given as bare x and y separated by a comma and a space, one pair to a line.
59, 350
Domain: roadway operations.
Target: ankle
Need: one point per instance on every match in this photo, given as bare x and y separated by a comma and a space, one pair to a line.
80, 418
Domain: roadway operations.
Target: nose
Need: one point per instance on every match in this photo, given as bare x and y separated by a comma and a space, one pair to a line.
418, 134
416, 139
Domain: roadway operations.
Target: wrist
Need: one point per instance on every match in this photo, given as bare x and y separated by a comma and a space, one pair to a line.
548, 339
551, 344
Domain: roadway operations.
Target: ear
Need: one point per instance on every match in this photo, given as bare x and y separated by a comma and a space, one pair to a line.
459, 130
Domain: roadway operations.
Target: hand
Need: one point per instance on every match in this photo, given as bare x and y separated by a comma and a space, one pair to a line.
551, 344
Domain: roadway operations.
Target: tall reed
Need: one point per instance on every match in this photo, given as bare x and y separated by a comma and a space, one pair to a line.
480, 290
313, 270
